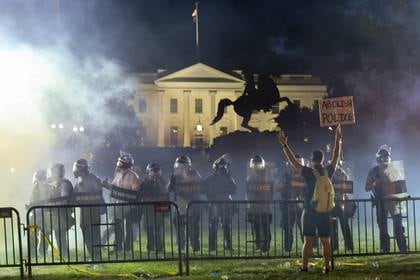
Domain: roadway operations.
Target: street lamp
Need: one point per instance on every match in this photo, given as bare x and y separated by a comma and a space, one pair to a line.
199, 127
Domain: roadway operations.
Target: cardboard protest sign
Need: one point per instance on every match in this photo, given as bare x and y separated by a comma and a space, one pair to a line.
335, 111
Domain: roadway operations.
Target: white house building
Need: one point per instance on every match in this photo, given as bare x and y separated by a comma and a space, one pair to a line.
176, 108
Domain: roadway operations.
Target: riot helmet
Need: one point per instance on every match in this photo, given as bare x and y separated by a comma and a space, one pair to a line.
80, 168
125, 161
57, 171
153, 169
384, 154
257, 163
222, 163
182, 162
39, 176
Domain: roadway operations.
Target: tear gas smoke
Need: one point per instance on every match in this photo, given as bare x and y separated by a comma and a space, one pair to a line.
45, 94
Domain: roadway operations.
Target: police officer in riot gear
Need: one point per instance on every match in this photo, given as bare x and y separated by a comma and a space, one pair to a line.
185, 186
259, 214
219, 186
39, 196
153, 189
343, 211
62, 217
87, 191
382, 188
125, 178
292, 188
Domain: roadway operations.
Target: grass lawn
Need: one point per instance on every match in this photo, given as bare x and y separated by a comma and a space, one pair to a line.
375, 268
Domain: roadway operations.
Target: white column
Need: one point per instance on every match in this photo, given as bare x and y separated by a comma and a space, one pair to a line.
212, 128
186, 108
161, 121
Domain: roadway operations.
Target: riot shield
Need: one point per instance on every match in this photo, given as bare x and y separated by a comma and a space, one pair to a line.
395, 174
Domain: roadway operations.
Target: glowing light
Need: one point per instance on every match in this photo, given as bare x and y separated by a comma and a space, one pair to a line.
60, 126
199, 127
53, 126
81, 129
12, 169
330, 128
24, 75
306, 140
75, 129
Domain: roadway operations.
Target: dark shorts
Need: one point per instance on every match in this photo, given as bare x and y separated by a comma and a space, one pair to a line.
313, 221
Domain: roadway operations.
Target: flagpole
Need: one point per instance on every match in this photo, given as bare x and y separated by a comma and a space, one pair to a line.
197, 41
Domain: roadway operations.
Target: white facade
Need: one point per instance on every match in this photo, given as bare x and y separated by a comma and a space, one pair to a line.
176, 108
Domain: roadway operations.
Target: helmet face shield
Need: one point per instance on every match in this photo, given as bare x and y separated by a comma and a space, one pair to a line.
182, 163
222, 164
257, 163
57, 171
125, 161
180, 167
39, 177
384, 154
154, 172
153, 169
80, 168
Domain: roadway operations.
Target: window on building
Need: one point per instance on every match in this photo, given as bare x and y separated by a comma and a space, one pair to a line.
142, 105
173, 106
297, 102
199, 140
173, 136
223, 131
275, 109
198, 106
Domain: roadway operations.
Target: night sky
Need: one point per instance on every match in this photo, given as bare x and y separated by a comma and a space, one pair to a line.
275, 36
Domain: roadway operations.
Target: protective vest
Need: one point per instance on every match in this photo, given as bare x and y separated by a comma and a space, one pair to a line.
154, 189
88, 190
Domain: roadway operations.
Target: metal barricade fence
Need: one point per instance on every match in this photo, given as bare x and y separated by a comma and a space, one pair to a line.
272, 229
108, 233
241, 230
155, 231
10, 239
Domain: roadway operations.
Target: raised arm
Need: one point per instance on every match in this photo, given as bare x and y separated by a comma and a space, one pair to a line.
289, 153
337, 147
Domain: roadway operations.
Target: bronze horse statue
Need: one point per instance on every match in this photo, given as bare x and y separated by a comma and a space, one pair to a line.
252, 99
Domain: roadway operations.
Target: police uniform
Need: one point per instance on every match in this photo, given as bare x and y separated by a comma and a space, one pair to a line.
292, 189
259, 214
218, 187
62, 219
40, 217
186, 188
87, 191
383, 190
125, 178
343, 211
153, 188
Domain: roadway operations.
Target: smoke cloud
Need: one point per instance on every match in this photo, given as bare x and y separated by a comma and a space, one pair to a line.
49, 94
